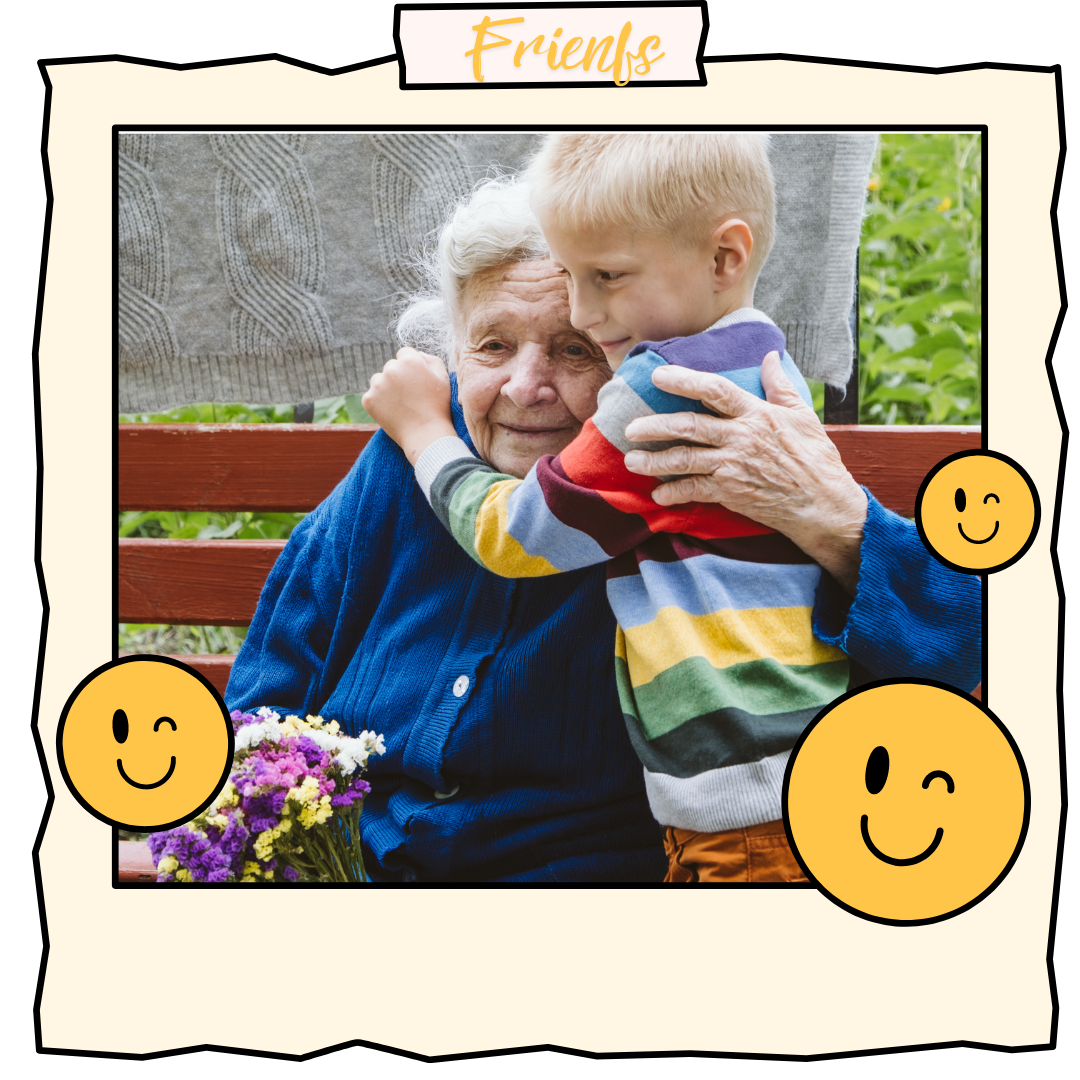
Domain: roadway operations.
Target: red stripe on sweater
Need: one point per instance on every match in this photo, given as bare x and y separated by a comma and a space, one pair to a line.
590, 461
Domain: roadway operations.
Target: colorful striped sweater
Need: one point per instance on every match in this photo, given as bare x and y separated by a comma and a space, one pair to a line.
718, 669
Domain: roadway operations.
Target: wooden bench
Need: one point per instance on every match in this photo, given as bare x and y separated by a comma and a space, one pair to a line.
293, 467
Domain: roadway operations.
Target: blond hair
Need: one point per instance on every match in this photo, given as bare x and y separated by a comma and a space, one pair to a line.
679, 184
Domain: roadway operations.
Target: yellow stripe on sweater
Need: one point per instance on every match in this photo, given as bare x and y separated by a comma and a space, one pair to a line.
498, 550
724, 638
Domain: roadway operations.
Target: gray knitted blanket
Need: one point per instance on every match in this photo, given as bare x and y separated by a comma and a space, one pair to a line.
265, 267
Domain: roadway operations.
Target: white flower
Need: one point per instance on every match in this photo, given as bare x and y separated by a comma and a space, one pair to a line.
323, 740
349, 757
252, 734
266, 713
373, 742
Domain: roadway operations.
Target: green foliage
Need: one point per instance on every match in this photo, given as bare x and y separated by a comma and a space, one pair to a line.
920, 282
344, 409
153, 638
210, 413
207, 525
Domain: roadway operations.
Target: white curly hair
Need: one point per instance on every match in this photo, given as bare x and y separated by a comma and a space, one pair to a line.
494, 225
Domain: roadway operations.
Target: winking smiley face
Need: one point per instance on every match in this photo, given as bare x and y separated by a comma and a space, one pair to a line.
144, 743
977, 511
906, 802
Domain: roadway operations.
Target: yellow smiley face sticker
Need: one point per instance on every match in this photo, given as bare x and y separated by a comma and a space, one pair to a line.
977, 511
906, 802
145, 743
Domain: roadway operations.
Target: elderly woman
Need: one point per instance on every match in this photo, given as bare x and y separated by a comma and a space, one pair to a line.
507, 756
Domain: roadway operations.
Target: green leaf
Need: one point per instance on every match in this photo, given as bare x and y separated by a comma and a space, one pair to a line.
945, 362
217, 532
897, 337
914, 226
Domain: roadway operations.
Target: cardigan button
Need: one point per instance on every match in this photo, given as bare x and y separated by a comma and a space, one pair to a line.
461, 684
447, 794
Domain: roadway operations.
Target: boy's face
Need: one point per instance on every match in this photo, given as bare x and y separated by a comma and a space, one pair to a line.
628, 287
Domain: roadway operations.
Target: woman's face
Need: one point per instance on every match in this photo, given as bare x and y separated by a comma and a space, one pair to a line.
527, 380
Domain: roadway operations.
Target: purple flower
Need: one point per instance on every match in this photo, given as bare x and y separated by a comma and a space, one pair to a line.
241, 719
289, 874
259, 812
315, 756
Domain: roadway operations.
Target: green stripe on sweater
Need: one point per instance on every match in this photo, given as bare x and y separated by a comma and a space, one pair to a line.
694, 688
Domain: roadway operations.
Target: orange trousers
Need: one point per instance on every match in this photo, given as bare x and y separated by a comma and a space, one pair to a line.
756, 853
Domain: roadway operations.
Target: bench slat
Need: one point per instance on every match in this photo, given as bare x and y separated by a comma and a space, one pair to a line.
193, 582
293, 467
134, 861
892, 461
269, 467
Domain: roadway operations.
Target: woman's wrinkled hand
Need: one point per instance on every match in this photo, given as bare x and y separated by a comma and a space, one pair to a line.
769, 460
410, 400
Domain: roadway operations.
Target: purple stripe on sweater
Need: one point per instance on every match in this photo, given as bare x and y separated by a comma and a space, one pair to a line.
721, 349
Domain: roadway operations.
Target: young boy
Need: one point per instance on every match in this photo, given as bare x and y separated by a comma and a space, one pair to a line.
661, 237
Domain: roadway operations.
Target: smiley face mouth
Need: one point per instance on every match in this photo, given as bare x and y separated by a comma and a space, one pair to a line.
146, 787
960, 526
879, 854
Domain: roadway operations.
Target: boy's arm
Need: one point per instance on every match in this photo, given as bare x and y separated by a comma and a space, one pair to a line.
578, 509
517, 528
410, 398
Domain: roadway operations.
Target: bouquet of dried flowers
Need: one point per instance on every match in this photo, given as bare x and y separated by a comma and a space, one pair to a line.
289, 812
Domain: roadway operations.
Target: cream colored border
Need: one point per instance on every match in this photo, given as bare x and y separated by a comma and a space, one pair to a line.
602, 970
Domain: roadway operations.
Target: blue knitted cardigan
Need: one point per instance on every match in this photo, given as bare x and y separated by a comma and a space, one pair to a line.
507, 757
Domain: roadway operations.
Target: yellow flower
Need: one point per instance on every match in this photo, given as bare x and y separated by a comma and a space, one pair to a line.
183, 874
220, 820
314, 721
264, 843
252, 868
307, 792
247, 878
168, 864
873, 184
333, 727
944, 204
285, 826
315, 813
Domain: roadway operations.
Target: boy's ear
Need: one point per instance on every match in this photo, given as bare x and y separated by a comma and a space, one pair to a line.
732, 243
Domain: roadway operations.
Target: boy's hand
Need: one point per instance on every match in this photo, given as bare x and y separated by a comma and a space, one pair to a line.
410, 399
